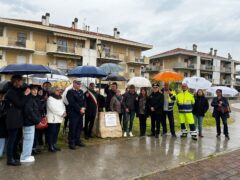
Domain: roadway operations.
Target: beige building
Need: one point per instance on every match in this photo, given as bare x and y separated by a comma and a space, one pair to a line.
40, 42
219, 70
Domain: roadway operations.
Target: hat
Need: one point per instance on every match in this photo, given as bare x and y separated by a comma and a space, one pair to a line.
33, 86
77, 81
155, 84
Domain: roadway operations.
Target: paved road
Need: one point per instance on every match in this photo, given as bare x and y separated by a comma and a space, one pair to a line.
129, 159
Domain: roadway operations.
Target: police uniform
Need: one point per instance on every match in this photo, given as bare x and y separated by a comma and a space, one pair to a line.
169, 100
76, 101
156, 100
185, 102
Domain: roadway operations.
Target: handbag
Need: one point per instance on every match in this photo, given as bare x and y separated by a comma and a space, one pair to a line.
43, 123
225, 109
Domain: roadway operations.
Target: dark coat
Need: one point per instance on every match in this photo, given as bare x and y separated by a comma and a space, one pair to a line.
138, 106
91, 105
155, 100
110, 93
15, 101
215, 106
3, 114
32, 111
101, 102
201, 106
130, 101
76, 101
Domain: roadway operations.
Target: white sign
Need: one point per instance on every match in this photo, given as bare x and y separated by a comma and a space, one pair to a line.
110, 120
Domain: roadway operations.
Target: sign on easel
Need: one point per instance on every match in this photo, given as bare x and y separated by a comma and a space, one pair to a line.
111, 120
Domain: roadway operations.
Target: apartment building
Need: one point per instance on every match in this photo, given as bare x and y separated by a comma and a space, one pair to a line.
61, 47
219, 70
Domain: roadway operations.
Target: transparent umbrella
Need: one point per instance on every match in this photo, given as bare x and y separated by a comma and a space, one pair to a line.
139, 82
227, 91
197, 83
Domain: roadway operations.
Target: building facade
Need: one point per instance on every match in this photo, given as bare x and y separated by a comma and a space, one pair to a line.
219, 70
40, 42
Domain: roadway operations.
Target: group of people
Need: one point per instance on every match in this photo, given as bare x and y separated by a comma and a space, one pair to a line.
22, 108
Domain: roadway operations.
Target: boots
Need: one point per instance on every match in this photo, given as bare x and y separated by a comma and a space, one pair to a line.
13, 162
51, 148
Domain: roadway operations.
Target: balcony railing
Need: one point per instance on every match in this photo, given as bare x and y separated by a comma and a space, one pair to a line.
184, 66
226, 69
14, 43
226, 81
54, 48
139, 60
154, 68
111, 56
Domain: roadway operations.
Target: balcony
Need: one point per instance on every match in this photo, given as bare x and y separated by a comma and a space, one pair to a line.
226, 70
137, 60
65, 51
15, 44
184, 66
206, 67
226, 82
109, 57
3, 63
154, 68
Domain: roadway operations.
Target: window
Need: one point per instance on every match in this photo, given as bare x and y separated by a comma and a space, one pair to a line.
186, 60
62, 45
21, 59
1, 30
92, 44
161, 63
131, 70
185, 74
131, 53
21, 39
79, 62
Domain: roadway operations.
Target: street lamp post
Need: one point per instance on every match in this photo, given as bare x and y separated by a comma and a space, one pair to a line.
100, 47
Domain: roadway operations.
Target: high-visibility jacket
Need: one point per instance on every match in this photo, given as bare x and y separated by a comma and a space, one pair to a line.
185, 101
171, 99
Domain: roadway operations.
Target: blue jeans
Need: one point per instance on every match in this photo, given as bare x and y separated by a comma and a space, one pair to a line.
2, 146
198, 123
128, 116
28, 138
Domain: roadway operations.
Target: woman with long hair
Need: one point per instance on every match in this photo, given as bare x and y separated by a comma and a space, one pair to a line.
141, 110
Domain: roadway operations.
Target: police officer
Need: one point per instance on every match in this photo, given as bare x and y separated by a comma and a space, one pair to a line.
185, 102
155, 109
76, 110
169, 99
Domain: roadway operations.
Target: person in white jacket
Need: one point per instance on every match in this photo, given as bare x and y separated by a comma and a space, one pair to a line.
55, 113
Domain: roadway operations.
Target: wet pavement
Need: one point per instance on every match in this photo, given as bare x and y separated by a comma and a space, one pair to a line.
128, 159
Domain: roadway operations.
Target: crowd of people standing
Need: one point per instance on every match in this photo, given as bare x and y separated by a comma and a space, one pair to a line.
23, 107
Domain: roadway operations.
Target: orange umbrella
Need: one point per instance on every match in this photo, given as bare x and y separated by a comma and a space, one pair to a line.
168, 76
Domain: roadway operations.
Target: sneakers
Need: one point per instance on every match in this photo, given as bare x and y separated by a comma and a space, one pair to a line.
28, 160
130, 134
125, 134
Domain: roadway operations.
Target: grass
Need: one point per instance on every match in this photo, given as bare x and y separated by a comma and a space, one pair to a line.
208, 121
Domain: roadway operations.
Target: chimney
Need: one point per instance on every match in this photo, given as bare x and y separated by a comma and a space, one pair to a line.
75, 23
47, 19
88, 28
194, 47
211, 51
118, 35
215, 52
229, 56
115, 32
44, 20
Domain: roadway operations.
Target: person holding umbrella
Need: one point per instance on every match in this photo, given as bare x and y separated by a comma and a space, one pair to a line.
76, 110
110, 91
221, 110
169, 100
185, 101
155, 109
15, 97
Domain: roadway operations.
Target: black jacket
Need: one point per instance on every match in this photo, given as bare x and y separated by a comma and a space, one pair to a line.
3, 114
15, 99
32, 111
110, 93
91, 105
201, 106
155, 100
138, 106
130, 101
76, 101
215, 106
101, 102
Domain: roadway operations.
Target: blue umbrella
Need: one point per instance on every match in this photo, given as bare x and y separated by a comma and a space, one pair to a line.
24, 69
111, 68
87, 71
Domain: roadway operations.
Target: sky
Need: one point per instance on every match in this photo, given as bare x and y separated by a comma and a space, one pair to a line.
165, 24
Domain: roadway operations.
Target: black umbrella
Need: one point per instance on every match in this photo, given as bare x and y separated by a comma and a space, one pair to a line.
114, 77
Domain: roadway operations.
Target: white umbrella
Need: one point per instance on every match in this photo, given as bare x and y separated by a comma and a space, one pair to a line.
197, 83
139, 82
226, 91
49, 78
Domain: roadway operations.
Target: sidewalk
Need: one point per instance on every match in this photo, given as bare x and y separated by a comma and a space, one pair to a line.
226, 166
135, 157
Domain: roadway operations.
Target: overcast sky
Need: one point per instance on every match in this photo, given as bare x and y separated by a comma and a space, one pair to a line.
166, 24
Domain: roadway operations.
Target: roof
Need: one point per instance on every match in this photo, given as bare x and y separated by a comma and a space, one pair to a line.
187, 52
106, 36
